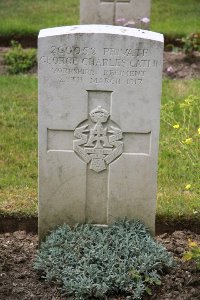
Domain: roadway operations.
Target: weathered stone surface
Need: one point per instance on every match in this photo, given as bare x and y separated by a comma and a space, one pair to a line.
109, 11
99, 105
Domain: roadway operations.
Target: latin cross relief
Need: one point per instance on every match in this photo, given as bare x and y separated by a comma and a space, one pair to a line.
115, 2
98, 141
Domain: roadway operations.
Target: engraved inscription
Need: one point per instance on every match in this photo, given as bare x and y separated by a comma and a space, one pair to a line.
98, 144
107, 65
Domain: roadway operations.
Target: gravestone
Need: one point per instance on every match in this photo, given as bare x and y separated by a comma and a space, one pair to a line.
99, 104
108, 11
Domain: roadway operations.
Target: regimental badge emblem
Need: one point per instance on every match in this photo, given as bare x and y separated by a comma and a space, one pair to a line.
99, 140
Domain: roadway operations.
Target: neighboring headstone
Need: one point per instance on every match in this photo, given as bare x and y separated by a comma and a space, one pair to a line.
109, 11
99, 105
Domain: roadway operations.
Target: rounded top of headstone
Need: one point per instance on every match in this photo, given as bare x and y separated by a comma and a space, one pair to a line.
104, 29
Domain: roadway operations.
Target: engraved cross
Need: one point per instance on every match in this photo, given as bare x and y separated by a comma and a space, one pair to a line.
114, 6
115, 1
112, 146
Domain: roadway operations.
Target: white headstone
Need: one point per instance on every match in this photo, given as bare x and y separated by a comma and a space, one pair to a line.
109, 11
99, 105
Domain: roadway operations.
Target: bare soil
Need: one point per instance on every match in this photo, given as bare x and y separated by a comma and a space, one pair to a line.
177, 65
163, 224
18, 280
181, 66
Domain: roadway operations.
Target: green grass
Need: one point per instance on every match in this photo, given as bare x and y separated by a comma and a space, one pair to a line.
175, 17
27, 17
18, 144
179, 162
18, 151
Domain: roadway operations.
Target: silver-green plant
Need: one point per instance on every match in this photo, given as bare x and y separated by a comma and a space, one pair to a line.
91, 262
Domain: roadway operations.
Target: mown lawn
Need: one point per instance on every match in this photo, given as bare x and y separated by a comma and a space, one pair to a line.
27, 17
178, 176
179, 155
175, 17
18, 144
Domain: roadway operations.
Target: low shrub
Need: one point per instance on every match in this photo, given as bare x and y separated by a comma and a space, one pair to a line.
191, 43
20, 60
92, 262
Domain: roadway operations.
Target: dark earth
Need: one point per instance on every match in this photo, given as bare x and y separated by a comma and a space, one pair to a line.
18, 280
17, 250
177, 65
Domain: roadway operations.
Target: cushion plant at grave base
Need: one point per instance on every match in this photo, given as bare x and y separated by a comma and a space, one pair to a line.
110, 11
99, 106
90, 261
